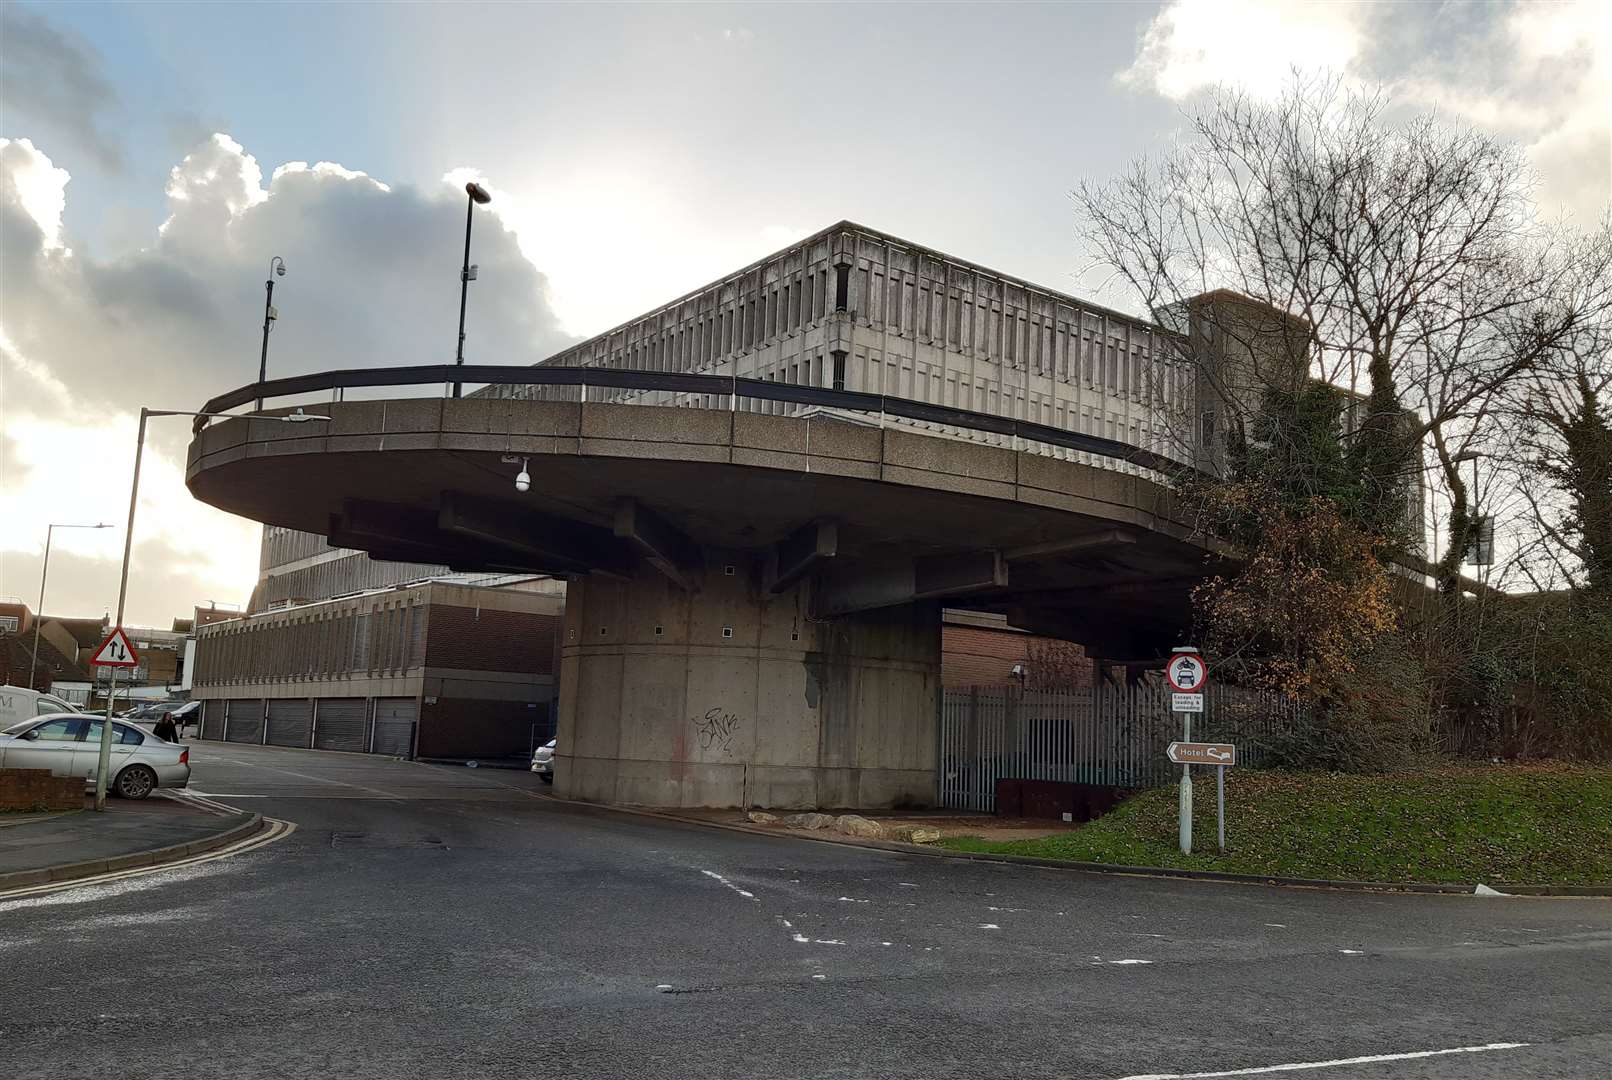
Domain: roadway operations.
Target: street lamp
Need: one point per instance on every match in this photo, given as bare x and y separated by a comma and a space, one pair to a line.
297, 417
467, 273
276, 269
44, 569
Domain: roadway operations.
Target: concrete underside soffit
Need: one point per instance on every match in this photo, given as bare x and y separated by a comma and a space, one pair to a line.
844, 590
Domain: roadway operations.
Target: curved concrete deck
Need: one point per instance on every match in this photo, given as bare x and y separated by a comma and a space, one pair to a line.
753, 618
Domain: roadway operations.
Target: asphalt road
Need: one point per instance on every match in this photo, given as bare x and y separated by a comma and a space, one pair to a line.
447, 922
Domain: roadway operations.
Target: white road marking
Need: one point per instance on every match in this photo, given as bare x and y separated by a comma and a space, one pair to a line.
277, 830
1278, 925
729, 884
1296, 1066
1352, 952
801, 938
907, 884
1127, 961
826, 941
854, 900
989, 926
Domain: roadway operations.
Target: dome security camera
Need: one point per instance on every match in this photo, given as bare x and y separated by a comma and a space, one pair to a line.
523, 479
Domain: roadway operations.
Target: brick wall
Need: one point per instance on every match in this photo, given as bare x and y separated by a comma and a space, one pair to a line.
519, 642
982, 656
477, 728
37, 789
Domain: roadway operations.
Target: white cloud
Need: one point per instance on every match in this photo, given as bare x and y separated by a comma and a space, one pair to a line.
1540, 73
373, 283
1194, 44
37, 186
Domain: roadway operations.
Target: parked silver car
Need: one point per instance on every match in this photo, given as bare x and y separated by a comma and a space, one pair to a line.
543, 761
70, 745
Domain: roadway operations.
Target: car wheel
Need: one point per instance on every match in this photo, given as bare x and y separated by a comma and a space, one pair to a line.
548, 777
136, 782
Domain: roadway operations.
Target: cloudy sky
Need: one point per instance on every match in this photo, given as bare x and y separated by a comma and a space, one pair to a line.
154, 157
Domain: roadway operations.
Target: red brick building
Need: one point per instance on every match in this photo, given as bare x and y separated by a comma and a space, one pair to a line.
983, 650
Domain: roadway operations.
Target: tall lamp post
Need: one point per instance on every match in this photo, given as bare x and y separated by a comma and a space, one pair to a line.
467, 273
297, 417
44, 569
276, 269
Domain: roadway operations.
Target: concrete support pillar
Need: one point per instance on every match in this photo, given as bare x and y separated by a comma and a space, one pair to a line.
730, 696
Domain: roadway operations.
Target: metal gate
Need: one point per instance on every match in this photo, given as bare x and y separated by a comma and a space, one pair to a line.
394, 726
1111, 736
243, 722
212, 719
290, 722
341, 724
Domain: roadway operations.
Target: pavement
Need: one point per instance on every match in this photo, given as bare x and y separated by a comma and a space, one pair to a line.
428, 921
127, 827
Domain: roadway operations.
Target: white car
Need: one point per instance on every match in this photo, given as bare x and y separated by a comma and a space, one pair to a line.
18, 703
70, 745
543, 761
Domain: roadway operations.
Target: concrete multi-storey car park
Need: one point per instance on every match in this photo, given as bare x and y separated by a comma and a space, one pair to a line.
428, 670
762, 494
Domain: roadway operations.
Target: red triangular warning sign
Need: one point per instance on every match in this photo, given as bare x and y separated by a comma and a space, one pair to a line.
116, 651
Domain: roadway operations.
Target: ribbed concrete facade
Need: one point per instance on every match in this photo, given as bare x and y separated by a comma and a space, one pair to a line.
851, 308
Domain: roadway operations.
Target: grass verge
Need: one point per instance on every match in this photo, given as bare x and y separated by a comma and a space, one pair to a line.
1545, 824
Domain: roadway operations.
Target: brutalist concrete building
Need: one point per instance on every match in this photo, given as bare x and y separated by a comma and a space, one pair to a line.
430, 670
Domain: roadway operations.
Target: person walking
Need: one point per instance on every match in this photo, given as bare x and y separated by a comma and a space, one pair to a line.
165, 729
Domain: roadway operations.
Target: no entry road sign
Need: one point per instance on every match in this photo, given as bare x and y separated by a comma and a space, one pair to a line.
1202, 753
1186, 673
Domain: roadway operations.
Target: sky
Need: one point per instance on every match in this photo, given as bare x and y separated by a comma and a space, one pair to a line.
155, 157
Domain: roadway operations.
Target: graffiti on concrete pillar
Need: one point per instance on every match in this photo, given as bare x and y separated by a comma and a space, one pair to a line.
715, 728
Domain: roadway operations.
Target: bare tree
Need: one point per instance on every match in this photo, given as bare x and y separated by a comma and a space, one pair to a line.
1400, 261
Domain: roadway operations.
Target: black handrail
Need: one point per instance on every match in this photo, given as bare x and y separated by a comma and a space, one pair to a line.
722, 385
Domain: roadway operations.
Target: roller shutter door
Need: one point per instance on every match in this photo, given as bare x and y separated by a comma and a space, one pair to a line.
340, 723
244, 720
394, 726
213, 719
290, 722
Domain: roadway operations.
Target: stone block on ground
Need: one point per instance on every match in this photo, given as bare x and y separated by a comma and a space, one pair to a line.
810, 821
857, 825
761, 817
915, 834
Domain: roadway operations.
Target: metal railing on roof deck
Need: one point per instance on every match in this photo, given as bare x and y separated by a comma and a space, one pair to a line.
726, 386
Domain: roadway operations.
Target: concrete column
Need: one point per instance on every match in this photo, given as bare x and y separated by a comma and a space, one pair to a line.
731, 696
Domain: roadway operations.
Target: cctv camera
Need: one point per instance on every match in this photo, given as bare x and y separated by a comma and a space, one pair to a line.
523, 482
279, 271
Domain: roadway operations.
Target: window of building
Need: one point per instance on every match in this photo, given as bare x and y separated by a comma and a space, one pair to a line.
839, 369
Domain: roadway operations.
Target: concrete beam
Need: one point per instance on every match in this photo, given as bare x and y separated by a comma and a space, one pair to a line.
563, 545
801, 552
1071, 545
663, 546
875, 585
404, 534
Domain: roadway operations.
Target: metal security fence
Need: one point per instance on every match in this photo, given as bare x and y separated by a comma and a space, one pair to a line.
1114, 736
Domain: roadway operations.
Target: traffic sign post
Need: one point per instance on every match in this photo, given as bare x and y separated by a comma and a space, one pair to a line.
1187, 675
115, 652
1219, 755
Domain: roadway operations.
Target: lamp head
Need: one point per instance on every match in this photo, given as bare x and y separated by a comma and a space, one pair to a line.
478, 193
